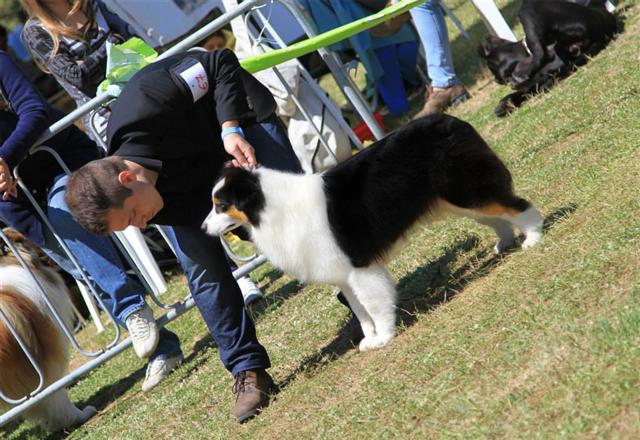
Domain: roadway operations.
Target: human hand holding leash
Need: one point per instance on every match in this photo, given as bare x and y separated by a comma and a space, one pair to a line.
8, 185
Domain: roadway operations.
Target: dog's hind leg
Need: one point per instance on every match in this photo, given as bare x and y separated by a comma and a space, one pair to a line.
530, 223
57, 412
520, 213
375, 291
504, 231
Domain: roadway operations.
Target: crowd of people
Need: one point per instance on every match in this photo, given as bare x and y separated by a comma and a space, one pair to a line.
229, 116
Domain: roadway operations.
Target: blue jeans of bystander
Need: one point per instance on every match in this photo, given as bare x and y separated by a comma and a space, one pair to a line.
429, 22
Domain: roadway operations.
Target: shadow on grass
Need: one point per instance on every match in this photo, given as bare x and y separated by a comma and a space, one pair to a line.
332, 351
424, 289
439, 281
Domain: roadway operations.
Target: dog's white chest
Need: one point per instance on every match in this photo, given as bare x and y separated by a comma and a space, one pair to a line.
295, 235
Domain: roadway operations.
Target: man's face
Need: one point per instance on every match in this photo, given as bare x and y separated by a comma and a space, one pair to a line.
137, 209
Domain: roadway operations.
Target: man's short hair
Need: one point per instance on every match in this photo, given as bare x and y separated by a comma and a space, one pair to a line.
94, 189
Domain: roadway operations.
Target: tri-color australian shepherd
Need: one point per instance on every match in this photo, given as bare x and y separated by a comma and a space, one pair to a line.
338, 227
22, 302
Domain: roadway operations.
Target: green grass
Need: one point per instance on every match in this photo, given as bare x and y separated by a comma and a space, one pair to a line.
536, 344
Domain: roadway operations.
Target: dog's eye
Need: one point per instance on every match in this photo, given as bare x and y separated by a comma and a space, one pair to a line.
222, 207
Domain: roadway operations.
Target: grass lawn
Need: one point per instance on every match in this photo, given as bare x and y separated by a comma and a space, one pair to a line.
536, 344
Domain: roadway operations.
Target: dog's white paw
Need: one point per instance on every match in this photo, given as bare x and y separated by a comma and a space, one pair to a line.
372, 342
532, 238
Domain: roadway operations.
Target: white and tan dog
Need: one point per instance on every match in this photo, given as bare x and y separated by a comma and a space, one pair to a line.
22, 303
338, 227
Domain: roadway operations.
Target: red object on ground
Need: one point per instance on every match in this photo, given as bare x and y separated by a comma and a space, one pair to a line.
362, 130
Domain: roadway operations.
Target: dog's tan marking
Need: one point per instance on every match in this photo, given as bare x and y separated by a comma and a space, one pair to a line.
496, 210
235, 213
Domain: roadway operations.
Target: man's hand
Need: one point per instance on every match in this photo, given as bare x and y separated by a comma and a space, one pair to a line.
8, 186
241, 150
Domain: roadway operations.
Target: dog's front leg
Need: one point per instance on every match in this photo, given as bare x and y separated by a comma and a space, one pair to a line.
508, 104
534, 33
375, 291
366, 323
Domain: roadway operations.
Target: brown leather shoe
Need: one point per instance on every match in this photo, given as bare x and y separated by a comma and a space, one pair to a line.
438, 100
252, 389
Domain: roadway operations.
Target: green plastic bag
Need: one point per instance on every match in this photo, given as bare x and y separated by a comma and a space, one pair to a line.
123, 61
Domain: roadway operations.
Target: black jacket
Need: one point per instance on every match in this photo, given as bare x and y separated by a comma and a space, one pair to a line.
163, 124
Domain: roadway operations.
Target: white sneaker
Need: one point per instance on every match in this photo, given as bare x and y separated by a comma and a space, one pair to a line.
143, 331
250, 292
159, 368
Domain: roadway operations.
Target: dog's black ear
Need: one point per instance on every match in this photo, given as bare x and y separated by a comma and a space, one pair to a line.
242, 189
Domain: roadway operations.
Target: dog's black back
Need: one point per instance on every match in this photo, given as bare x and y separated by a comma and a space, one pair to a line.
374, 197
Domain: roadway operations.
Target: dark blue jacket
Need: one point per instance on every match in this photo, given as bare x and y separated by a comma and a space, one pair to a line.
23, 118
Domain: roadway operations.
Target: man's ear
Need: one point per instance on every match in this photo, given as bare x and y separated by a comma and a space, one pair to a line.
125, 177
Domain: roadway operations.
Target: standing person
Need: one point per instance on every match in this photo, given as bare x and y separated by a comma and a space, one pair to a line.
23, 117
445, 90
68, 38
173, 127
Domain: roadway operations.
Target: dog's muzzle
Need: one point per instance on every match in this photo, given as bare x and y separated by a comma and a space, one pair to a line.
215, 225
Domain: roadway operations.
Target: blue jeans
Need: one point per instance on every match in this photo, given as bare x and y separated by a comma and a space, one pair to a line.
432, 29
273, 149
399, 61
218, 297
120, 293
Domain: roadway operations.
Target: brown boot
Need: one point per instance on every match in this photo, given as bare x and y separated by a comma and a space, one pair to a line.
252, 389
438, 100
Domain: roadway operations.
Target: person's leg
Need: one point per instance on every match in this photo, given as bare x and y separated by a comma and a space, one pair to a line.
390, 85
218, 298
272, 146
407, 58
445, 91
121, 294
431, 27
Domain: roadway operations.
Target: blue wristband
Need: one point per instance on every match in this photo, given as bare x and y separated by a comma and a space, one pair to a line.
230, 130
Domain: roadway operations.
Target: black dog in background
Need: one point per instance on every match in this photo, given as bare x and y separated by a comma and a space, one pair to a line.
559, 35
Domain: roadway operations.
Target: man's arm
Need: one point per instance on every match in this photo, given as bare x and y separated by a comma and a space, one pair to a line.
221, 71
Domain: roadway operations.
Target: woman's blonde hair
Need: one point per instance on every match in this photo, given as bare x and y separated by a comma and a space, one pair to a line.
56, 27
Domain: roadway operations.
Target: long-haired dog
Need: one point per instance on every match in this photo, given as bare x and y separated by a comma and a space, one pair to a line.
337, 227
559, 36
23, 304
